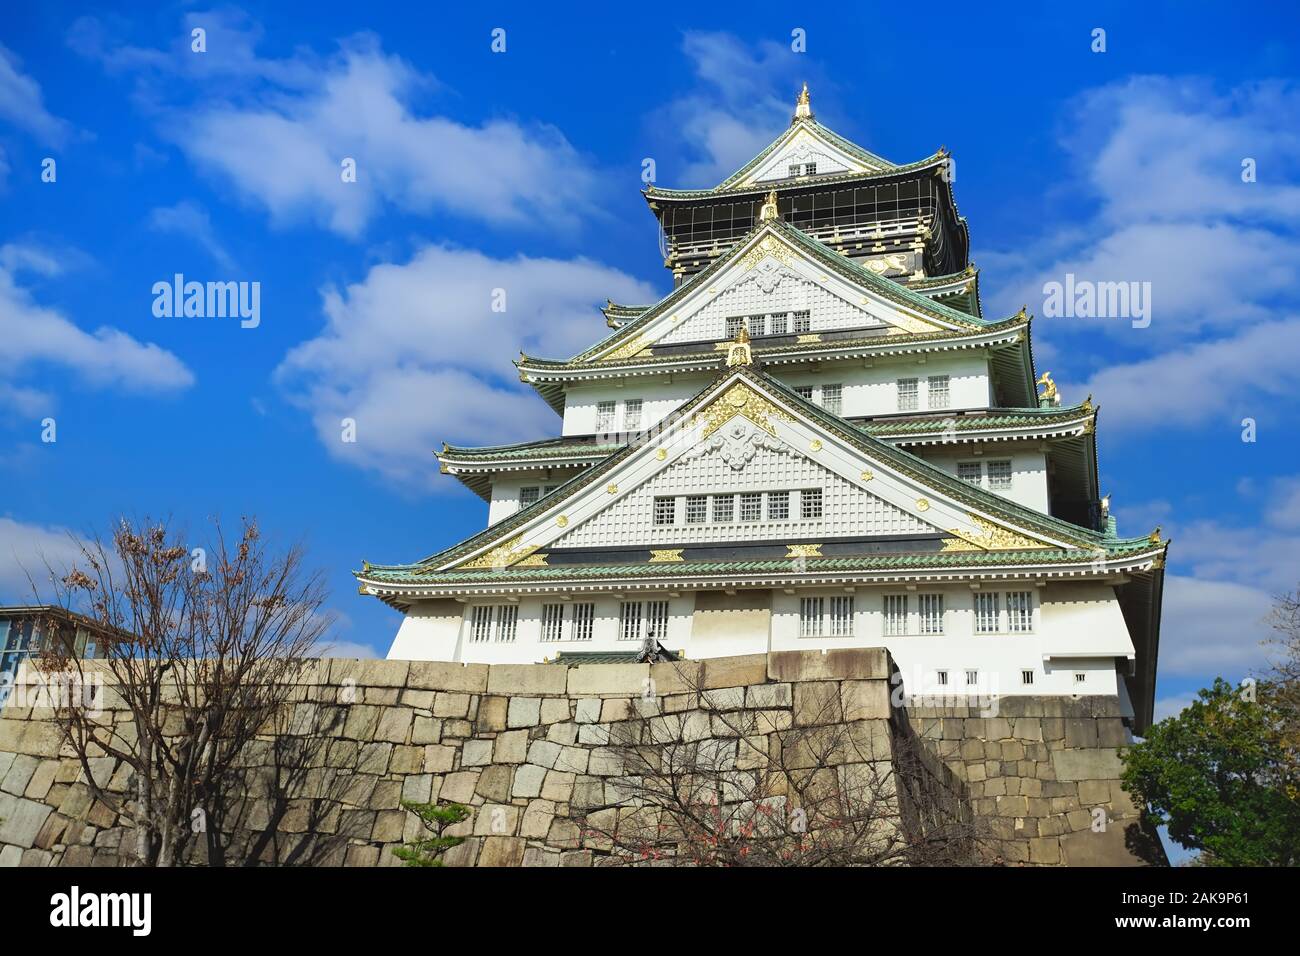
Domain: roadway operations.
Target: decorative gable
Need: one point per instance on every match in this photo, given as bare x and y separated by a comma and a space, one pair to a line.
801, 146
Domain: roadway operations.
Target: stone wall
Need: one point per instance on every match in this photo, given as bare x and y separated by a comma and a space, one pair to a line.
528, 748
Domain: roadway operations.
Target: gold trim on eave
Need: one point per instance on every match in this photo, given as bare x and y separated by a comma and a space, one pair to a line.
665, 555
991, 537
803, 550
502, 556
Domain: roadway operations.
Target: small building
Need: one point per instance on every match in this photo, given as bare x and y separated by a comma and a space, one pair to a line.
27, 630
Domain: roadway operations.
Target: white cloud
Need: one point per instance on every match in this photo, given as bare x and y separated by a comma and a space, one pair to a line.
31, 333
308, 114
415, 355
32, 550
23, 104
1213, 628
1172, 706
190, 219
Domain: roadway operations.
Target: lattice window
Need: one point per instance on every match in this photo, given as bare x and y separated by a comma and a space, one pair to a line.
552, 622
794, 169
810, 503
777, 323
986, 612
895, 616
907, 395
632, 414
751, 506
842, 616
802, 321
657, 620
724, 508
529, 495
969, 472
507, 622
778, 505
1020, 612
629, 621
605, 416
697, 509
480, 623
810, 169
734, 322
584, 619
833, 398
930, 613
665, 510
804, 391
938, 392
755, 324
1000, 475
811, 610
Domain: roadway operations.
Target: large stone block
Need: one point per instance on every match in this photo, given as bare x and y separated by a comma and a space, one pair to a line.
817, 703
368, 673
527, 680
865, 699
760, 696
502, 851
395, 724
494, 783
448, 704
444, 675
1095, 764
491, 714
739, 671
856, 663
511, 747
524, 712
608, 680
476, 753
528, 781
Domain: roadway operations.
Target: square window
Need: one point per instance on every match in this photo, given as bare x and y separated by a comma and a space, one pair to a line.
810, 616
778, 505
697, 509
657, 620
907, 394
724, 508
803, 321
552, 621
733, 324
665, 511
1000, 475
842, 616
969, 472
937, 390
1020, 612
584, 619
833, 398
895, 614
755, 324
529, 495
751, 506
810, 503
810, 169
605, 416
632, 414
548, 489
986, 612
793, 169
930, 607
804, 391
777, 323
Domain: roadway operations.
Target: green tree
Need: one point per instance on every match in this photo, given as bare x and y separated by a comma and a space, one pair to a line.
436, 818
1219, 775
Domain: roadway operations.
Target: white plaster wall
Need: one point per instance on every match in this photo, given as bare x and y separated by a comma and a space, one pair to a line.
505, 488
659, 396
1028, 468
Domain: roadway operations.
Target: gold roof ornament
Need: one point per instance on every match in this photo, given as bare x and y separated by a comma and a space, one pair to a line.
803, 105
739, 352
1049, 395
769, 211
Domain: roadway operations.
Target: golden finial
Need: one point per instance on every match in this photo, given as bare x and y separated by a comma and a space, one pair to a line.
1023, 312
1049, 389
769, 211
803, 106
740, 352
1154, 538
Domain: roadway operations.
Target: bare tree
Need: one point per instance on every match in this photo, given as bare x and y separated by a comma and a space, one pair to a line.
721, 786
201, 648
1282, 683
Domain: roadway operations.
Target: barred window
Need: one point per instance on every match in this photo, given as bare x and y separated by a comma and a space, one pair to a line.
842, 616
895, 614
697, 509
632, 414
777, 323
907, 398
809, 169
584, 617
972, 678
810, 503
629, 621
724, 508
986, 612
507, 621
1000, 474
810, 616
665, 510
657, 620
930, 607
529, 495
605, 416
1026, 677
552, 622
1080, 677
937, 390
833, 398
1020, 612
804, 391
734, 322
755, 324
802, 321
941, 677
548, 489
751, 506
480, 623
794, 169
778, 505
969, 472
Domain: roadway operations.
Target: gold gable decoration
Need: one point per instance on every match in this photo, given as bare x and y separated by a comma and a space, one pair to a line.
741, 400
634, 345
991, 537
767, 246
504, 555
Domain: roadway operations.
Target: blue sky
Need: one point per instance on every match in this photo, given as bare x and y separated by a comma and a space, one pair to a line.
521, 170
